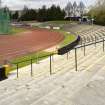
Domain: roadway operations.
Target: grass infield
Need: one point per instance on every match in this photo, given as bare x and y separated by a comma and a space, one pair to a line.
15, 30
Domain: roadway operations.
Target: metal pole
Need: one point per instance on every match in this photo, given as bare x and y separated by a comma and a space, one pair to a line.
76, 59
17, 70
67, 55
37, 59
81, 41
95, 41
31, 69
50, 66
84, 49
103, 45
53, 57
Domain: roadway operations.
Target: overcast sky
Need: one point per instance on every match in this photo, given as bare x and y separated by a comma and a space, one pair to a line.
19, 4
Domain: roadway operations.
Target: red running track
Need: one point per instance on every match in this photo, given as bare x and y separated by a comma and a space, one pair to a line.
12, 46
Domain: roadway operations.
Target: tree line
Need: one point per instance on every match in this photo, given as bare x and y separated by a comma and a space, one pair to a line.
42, 14
49, 14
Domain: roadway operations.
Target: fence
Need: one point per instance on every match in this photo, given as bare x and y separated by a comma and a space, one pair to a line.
50, 56
30, 62
84, 49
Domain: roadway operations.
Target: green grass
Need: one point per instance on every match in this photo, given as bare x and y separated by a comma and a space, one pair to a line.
26, 60
68, 38
15, 30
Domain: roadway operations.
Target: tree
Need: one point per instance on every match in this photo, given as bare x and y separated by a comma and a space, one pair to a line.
81, 8
42, 14
69, 10
55, 13
15, 16
98, 12
75, 9
28, 14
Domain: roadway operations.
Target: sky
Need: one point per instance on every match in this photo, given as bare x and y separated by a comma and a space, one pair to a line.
19, 4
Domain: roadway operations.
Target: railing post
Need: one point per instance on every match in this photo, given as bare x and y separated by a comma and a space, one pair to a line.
84, 49
75, 59
103, 45
31, 69
50, 66
37, 59
17, 70
95, 41
67, 55
53, 57
81, 41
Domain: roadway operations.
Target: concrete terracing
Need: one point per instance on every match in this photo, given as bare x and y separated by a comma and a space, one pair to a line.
65, 86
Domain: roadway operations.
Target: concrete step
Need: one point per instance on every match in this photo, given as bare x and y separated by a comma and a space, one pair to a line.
66, 64
11, 98
70, 88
